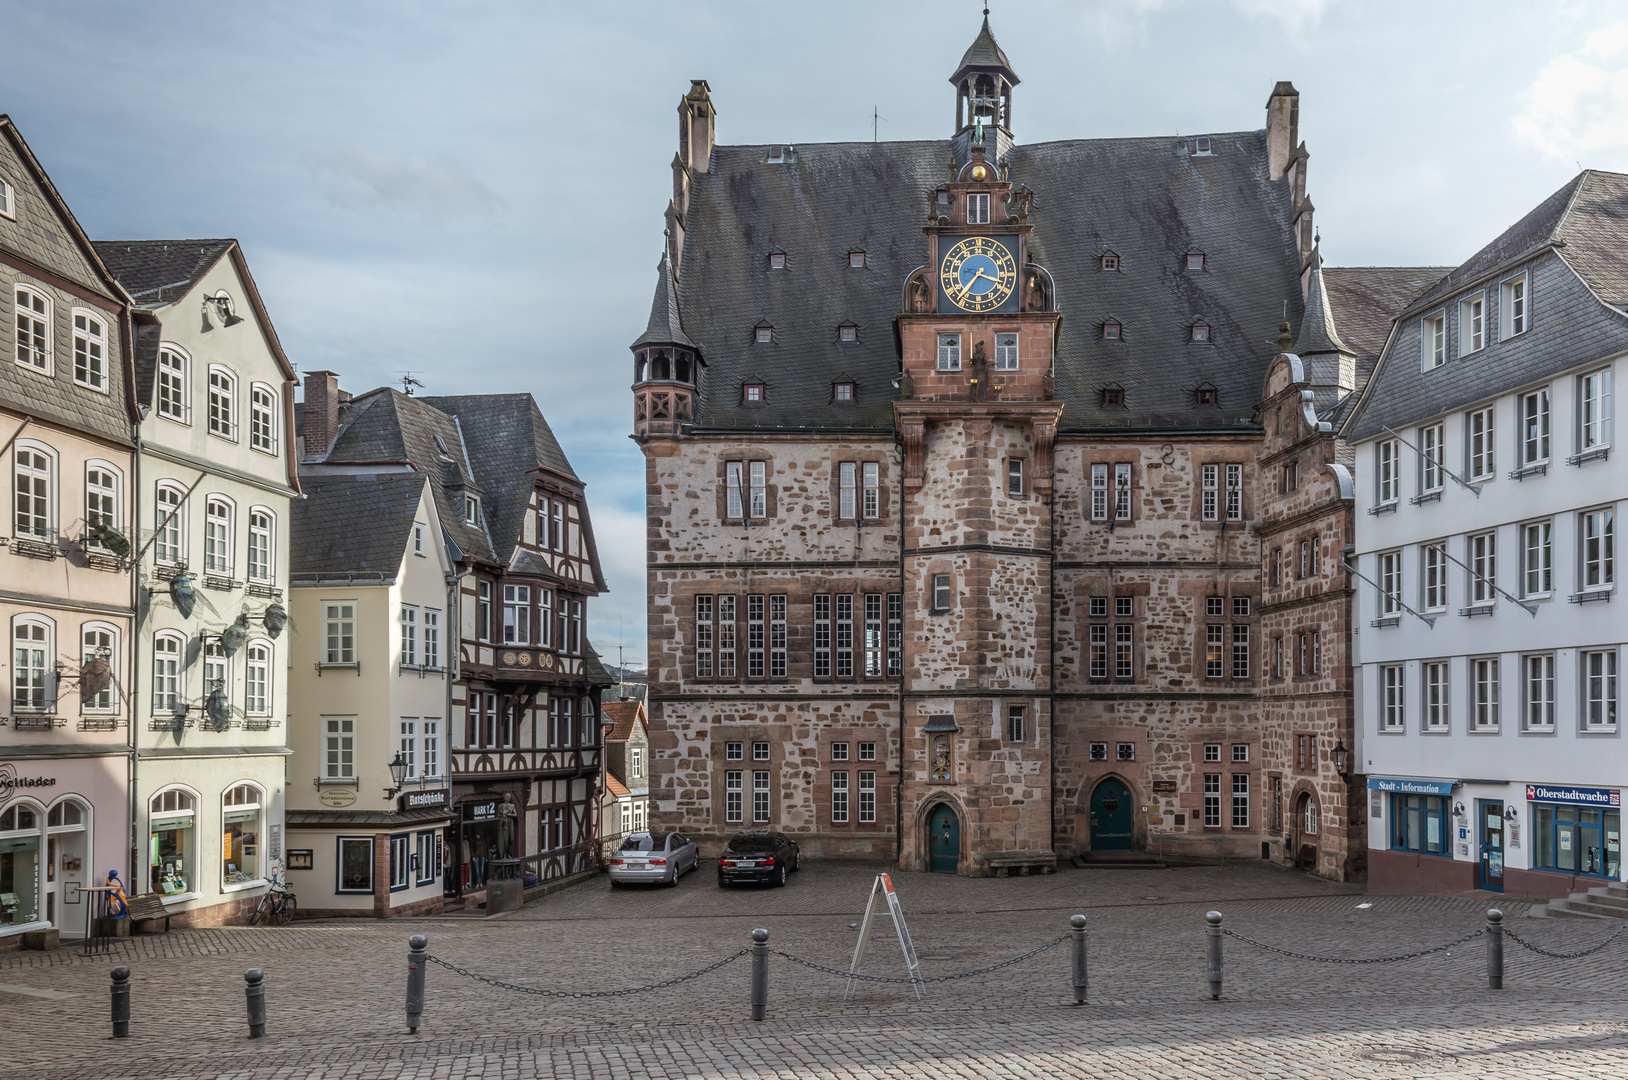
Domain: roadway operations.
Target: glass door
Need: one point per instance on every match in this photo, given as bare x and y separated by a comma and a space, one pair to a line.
1492, 844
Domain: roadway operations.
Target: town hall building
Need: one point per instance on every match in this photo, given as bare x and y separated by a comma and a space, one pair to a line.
994, 507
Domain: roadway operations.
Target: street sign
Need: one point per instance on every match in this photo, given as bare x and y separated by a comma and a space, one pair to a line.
883, 886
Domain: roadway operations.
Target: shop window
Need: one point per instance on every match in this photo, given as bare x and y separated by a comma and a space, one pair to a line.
1578, 839
1419, 823
401, 862
355, 864
240, 838
172, 846
19, 865
425, 864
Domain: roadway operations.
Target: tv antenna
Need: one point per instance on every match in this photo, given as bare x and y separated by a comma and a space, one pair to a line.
876, 117
408, 382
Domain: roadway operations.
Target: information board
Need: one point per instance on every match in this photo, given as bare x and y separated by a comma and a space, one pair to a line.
883, 887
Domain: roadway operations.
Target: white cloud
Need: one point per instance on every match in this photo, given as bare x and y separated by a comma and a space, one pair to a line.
365, 177
1120, 20
1577, 107
1295, 15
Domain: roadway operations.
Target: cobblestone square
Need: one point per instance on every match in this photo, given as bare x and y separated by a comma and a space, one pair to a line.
335, 989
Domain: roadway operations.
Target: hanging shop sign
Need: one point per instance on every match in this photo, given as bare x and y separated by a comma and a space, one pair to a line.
1581, 796
424, 800
1404, 786
336, 797
483, 811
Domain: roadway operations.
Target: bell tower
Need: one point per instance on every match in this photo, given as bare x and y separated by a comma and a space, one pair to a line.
983, 95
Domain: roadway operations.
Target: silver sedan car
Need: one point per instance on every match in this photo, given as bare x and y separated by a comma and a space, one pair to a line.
654, 858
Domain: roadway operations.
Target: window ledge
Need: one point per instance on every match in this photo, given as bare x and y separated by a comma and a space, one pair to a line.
1590, 597
179, 898
1383, 508
1425, 497
1599, 453
1393, 620
1492, 729
1539, 469
1600, 729
242, 885
1477, 609
32, 547
270, 592
333, 781
353, 666
1546, 729
224, 584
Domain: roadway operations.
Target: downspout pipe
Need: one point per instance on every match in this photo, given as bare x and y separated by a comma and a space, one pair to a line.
1051, 648
898, 788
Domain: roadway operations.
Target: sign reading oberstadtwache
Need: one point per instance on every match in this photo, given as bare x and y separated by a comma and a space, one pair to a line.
1585, 796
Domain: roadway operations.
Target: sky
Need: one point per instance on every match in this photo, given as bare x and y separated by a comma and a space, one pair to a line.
473, 192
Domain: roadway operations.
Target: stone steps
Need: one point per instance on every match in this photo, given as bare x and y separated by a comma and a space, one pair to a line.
1600, 902
1134, 860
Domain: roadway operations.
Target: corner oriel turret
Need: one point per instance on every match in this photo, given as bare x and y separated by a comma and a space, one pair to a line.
665, 378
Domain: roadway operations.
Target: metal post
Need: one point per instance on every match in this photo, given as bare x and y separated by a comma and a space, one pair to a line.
1495, 949
1078, 924
418, 954
760, 973
1214, 958
121, 1003
255, 991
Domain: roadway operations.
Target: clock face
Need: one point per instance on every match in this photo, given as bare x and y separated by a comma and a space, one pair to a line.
978, 274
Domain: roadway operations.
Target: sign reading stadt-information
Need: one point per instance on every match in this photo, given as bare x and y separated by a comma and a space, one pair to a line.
1585, 796
1403, 786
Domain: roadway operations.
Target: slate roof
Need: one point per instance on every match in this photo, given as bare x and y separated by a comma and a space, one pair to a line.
623, 715
1147, 200
985, 52
158, 272
665, 327
1365, 299
1317, 329
592, 668
349, 525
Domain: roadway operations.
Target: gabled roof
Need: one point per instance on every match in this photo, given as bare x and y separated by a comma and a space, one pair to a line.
158, 272
615, 786
623, 715
985, 52
348, 525
1364, 299
592, 668
665, 327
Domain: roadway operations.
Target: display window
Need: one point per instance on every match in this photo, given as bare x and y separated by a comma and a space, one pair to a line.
1578, 839
356, 864
172, 842
1419, 823
19, 866
240, 836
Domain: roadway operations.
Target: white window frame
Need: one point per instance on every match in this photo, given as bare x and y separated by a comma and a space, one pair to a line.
1484, 693
113, 495
1235, 492
176, 528
338, 625
1433, 575
1388, 473
339, 747
734, 481
8, 200
1534, 431
472, 515
223, 422
1393, 682
255, 873
39, 357
1099, 491
407, 620
762, 797
517, 614
1538, 685
430, 744
169, 693
1481, 443
1006, 352
418, 539
1537, 558
1390, 584
1438, 700
1594, 410
1209, 492
53, 487
978, 208
263, 402
1014, 476
192, 810
1472, 323
218, 549
839, 796
41, 678
218, 664
847, 489
407, 743
86, 345
262, 528
172, 390
757, 489
431, 644
1481, 554
258, 670
1599, 691
949, 352
1597, 531
1431, 458
111, 708
1433, 340
1514, 306
734, 795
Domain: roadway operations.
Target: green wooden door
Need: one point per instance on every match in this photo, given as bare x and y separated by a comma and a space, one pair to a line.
1111, 816
944, 840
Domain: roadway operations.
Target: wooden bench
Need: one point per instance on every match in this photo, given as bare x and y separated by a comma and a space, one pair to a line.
1044, 862
149, 908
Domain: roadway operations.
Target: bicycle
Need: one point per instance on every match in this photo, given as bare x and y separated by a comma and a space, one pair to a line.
277, 904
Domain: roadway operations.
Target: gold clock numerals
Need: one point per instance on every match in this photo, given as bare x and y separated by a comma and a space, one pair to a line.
973, 260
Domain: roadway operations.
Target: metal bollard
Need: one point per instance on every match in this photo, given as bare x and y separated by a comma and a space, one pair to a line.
121, 1003
418, 953
760, 973
255, 991
1214, 957
1078, 924
1495, 949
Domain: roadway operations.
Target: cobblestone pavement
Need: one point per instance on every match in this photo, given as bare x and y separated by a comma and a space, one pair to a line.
335, 989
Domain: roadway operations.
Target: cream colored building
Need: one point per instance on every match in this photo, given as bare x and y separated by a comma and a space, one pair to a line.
216, 481
66, 413
370, 686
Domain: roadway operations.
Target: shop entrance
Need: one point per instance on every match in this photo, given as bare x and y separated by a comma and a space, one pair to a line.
1578, 839
944, 840
66, 907
1306, 826
1491, 826
1111, 816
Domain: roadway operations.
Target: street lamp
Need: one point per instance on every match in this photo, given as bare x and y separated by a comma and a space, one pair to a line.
1341, 758
398, 775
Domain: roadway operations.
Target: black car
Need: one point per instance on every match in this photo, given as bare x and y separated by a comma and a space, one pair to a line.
759, 856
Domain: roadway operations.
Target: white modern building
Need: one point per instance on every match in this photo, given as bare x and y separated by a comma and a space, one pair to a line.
1490, 631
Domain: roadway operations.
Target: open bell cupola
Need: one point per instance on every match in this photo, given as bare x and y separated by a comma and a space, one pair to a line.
983, 87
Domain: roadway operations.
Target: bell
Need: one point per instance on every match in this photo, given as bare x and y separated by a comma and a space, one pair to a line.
233, 637
219, 708
275, 618
94, 677
183, 593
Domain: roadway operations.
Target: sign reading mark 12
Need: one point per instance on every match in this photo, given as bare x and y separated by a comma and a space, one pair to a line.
978, 273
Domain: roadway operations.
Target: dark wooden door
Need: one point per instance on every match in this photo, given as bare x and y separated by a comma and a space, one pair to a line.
944, 840
1111, 816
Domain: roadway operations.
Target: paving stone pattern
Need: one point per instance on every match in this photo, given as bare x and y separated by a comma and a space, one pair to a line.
335, 989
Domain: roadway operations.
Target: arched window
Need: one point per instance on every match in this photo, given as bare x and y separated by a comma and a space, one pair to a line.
100, 642
33, 670
168, 650
241, 808
217, 675
263, 418
89, 349
174, 390
218, 536
262, 560
169, 521
33, 329
36, 497
257, 679
103, 486
222, 402
20, 825
172, 841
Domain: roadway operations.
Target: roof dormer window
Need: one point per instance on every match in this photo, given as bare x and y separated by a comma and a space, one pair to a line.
1195, 260
8, 200
1111, 331
752, 393
842, 392
777, 260
1110, 263
848, 332
1207, 395
472, 511
1200, 332
1201, 146
856, 260
1113, 397
763, 334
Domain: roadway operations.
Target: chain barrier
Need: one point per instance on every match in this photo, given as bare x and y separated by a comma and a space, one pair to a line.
922, 979
1357, 959
539, 991
1523, 943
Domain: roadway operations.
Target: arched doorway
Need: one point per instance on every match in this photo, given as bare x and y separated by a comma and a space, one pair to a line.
1111, 817
1306, 824
944, 840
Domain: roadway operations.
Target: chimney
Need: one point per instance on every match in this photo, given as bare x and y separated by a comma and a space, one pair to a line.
1282, 128
321, 413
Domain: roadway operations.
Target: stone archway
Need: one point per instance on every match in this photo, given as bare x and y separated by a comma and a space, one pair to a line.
1110, 814
1305, 829
941, 824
